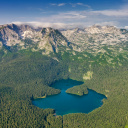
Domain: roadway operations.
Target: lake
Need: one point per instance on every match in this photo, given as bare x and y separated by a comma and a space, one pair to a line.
64, 103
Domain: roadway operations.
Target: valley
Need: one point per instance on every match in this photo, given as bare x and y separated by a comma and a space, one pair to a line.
32, 59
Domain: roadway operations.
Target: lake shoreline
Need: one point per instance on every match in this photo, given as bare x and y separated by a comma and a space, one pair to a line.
64, 103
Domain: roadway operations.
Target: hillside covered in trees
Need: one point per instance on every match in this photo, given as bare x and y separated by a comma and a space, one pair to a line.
24, 75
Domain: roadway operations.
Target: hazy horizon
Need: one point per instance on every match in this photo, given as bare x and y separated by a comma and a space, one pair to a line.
65, 14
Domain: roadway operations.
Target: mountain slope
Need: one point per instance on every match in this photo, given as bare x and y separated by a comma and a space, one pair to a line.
48, 40
97, 44
95, 37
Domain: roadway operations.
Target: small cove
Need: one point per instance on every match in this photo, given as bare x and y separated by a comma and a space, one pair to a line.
64, 103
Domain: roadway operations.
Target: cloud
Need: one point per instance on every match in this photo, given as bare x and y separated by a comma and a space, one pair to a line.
121, 12
71, 16
72, 19
41, 24
110, 23
79, 4
58, 25
126, 27
60, 4
72, 4
53, 4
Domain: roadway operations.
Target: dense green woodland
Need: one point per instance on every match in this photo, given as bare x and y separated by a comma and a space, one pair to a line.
25, 75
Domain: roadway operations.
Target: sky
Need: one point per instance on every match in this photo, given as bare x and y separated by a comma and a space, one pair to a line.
65, 13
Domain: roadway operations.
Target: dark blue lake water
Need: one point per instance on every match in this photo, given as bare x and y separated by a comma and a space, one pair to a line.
64, 103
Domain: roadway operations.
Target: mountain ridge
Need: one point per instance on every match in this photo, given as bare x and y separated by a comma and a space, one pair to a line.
12, 35
96, 43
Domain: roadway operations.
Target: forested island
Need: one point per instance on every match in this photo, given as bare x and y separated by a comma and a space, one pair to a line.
78, 90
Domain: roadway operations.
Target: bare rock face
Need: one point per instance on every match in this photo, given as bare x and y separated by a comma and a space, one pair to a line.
47, 39
96, 29
51, 40
12, 34
9, 35
95, 37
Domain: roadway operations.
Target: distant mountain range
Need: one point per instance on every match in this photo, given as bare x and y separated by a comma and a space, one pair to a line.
106, 42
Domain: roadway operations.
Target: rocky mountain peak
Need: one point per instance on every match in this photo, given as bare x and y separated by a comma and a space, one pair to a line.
9, 33
49, 30
102, 29
24, 27
52, 40
47, 39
